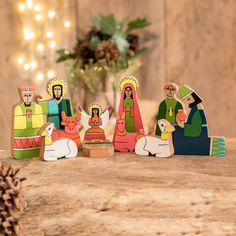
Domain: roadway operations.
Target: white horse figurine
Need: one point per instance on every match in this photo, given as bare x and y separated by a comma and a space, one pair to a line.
160, 147
52, 150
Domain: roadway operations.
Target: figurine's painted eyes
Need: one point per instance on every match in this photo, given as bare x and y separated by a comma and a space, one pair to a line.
30, 95
162, 125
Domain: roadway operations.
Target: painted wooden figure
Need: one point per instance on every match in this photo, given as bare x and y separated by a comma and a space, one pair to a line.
54, 149
191, 136
122, 140
94, 122
157, 146
53, 108
129, 104
27, 120
129, 125
71, 130
95, 142
170, 107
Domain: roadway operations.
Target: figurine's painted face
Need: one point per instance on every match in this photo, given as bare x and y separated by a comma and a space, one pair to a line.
170, 92
120, 124
165, 126
162, 125
95, 112
128, 92
189, 99
57, 92
27, 98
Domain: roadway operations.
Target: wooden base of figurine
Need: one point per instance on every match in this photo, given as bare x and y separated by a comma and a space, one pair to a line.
98, 150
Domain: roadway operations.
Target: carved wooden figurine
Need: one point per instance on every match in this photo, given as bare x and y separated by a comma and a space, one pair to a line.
54, 107
94, 122
71, 130
170, 107
27, 120
191, 136
129, 125
129, 104
157, 146
124, 141
52, 150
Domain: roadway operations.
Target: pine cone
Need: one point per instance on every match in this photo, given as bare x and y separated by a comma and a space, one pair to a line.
94, 32
84, 52
133, 40
108, 51
11, 201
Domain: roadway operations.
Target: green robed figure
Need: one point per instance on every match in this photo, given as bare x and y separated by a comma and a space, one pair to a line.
169, 108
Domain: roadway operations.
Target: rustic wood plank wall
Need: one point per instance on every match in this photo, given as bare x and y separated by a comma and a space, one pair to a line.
9, 80
192, 42
201, 51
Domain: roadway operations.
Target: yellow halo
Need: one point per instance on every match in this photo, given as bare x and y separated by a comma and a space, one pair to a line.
54, 82
94, 105
129, 80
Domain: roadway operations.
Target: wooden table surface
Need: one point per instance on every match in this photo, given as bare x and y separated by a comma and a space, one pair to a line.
130, 195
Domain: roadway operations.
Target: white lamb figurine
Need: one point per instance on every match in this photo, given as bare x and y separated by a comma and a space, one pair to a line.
52, 150
158, 146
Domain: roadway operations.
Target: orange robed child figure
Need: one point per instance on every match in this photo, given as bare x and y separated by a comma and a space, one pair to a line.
94, 122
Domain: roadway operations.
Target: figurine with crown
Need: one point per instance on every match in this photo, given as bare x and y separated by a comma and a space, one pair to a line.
129, 123
95, 142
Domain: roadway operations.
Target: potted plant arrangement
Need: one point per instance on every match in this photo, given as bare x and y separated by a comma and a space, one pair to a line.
108, 49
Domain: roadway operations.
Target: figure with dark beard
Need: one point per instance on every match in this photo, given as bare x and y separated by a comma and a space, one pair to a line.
191, 135
53, 108
27, 120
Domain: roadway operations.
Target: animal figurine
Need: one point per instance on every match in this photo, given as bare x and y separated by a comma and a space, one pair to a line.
153, 145
124, 141
71, 130
52, 150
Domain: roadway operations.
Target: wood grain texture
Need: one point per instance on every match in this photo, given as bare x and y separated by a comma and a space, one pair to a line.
9, 78
98, 152
200, 51
130, 195
151, 73
192, 41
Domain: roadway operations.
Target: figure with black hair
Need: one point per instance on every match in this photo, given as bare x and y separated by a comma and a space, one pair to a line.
94, 122
191, 136
129, 104
170, 107
54, 107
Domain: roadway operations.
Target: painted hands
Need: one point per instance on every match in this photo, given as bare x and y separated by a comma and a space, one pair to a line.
180, 123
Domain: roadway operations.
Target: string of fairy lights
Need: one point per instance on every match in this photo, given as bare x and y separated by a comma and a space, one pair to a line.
44, 29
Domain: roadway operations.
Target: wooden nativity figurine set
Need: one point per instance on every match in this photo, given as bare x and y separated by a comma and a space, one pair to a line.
49, 129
